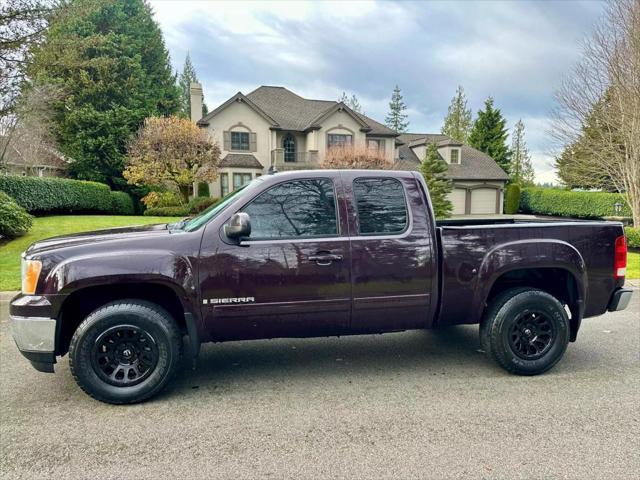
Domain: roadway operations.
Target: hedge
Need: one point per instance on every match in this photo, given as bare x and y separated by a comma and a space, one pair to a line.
633, 236
122, 203
48, 195
566, 203
512, 199
181, 211
14, 220
198, 204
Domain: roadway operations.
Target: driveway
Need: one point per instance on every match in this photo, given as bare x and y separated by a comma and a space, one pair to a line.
405, 405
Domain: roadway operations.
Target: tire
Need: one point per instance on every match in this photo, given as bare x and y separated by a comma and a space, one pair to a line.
525, 330
125, 351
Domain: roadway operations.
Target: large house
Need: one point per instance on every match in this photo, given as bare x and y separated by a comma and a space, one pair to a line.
273, 128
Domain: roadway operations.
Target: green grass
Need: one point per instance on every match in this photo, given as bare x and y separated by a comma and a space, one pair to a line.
45, 227
633, 265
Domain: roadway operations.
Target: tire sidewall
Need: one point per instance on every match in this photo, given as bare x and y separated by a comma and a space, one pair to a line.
534, 300
102, 320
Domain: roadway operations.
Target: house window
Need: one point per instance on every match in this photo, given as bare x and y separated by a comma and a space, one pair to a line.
294, 209
339, 140
382, 209
240, 180
289, 146
455, 155
375, 144
224, 183
240, 141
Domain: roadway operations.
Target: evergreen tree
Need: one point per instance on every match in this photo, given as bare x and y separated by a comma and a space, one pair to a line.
433, 169
457, 123
185, 79
396, 119
489, 134
111, 64
522, 171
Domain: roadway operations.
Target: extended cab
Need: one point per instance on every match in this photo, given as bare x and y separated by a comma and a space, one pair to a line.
304, 254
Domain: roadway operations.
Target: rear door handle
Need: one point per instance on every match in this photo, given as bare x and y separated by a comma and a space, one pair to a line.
324, 258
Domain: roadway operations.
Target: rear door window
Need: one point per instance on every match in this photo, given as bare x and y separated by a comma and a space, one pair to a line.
381, 205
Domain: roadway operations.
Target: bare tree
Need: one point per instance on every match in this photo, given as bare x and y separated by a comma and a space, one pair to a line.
604, 90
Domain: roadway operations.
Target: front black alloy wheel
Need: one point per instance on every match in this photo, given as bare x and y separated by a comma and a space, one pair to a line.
525, 330
124, 355
125, 351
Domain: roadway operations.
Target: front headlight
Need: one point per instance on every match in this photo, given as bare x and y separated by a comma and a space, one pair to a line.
30, 274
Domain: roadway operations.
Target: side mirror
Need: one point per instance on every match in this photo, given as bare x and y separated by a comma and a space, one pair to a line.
239, 226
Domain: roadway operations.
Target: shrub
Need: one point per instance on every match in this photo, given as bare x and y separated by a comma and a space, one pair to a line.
198, 204
162, 199
355, 156
122, 203
48, 195
512, 199
181, 211
203, 189
14, 220
565, 203
633, 236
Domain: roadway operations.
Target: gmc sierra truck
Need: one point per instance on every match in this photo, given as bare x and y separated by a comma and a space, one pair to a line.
307, 254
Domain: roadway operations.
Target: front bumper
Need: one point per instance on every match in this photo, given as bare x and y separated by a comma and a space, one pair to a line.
620, 299
34, 331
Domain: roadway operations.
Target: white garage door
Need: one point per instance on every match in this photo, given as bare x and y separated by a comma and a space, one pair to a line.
457, 198
483, 200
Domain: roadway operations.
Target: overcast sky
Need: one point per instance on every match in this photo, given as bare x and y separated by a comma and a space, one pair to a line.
517, 52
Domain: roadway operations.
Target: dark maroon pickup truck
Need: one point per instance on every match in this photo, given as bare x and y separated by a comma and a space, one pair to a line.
305, 254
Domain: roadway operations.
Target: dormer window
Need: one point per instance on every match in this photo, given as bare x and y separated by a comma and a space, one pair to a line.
455, 155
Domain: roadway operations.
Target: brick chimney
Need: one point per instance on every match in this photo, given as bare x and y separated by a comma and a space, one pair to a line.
195, 98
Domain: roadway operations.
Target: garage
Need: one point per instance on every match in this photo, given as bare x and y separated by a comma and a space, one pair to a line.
483, 201
458, 198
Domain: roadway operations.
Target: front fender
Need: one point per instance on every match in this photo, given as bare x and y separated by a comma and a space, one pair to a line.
155, 266
530, 254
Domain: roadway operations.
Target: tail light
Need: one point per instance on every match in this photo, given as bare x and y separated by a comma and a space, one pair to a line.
620, 261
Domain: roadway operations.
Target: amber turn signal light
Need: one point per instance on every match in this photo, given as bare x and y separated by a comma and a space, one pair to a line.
30, 274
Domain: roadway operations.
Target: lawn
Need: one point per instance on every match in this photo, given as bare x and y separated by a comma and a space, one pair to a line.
44, 227
633, 265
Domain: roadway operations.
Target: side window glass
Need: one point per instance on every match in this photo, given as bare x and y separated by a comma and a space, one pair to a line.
381, 205
295, 209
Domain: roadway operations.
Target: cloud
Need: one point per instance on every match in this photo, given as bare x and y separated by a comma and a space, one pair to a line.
516, 52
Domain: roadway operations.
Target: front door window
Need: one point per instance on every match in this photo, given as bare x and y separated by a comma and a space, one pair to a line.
289, 146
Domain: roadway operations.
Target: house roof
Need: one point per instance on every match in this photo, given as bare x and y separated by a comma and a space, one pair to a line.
240, 160
475, 165
288, 111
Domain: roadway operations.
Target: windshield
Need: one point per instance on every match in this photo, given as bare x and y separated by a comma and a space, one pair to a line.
196, 222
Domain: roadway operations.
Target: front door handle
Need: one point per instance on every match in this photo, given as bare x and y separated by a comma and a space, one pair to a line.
324, 258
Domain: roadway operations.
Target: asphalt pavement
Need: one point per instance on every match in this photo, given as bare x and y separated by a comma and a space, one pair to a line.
404, 405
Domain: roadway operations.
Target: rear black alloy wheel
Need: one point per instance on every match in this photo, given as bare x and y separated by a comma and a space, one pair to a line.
525, 330
531, 335
125, 351
124, 355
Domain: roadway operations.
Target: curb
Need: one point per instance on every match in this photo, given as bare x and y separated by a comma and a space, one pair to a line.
6, 296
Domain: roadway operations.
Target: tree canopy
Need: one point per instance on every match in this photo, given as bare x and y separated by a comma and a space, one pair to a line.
457, 123
489, 134
522, 171
396, 119
172, 152
110, 62
433, 169
185, 79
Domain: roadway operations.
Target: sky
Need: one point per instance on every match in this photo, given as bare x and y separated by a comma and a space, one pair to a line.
516, 52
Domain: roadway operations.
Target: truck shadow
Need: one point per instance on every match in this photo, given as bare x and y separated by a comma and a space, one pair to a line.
239, 365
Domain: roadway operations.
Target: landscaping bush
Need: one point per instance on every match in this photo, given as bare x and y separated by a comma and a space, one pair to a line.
633, 236
122, 203
565, 203
181, 211
162, 199
199, 204
49, 195
203, 189
512, 199
14, 220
